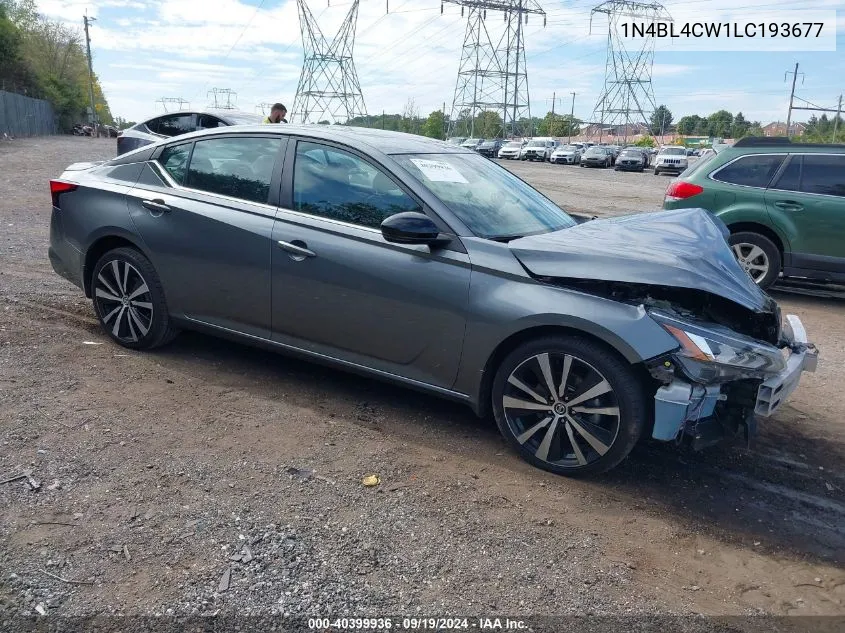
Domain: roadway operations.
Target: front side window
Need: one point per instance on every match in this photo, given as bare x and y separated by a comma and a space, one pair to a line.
335, 184
206, 121
173, 125
239, 167
754, 170
488, 199
824, 174
174, 159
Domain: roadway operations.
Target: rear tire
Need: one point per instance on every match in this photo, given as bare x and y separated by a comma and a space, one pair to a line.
562, 431
129, 300
756, 252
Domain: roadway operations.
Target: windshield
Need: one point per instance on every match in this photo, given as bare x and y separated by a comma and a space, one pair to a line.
490, 200
514, 144
537, 144
594, 151
471, 141
567, 148
674, 151
631, 152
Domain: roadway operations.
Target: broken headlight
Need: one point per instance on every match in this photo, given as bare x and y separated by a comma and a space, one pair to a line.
717, 354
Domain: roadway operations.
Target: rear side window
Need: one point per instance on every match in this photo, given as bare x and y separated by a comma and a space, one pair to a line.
750, 171
174, 159
239, 167
824, 175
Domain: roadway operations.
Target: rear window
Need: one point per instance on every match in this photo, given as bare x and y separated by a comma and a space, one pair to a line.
698, 166
754, 170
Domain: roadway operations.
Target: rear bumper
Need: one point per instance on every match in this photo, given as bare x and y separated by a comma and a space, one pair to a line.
64, 258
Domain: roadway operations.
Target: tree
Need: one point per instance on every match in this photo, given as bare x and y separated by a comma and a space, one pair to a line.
488, 124
646, 141
434, 125
410, 114
740, 126
719, 124
660, 120
688, 125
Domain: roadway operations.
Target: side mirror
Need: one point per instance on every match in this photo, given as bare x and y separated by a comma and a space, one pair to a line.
411, 227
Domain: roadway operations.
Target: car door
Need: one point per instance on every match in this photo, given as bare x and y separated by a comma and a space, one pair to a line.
808, 203
205, 212
341, 290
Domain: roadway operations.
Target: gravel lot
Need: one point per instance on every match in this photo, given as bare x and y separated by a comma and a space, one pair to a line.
210, 477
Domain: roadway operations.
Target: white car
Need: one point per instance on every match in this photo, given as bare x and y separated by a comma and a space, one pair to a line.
538, 149
511, 150
671, 158
566, 155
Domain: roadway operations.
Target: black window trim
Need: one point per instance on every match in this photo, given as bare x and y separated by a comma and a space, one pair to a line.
803, 155
280, 161
785, 155
286, 198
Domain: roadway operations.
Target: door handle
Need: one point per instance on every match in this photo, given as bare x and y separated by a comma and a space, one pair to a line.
155, 205
297, 251
788, 205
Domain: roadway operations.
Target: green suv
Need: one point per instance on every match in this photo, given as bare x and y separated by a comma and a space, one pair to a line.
783, 202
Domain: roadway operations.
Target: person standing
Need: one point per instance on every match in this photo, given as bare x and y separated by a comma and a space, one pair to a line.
277, 114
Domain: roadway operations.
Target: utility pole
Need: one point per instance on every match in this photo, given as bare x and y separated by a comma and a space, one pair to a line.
552, 122
94, 121
571, 119
836, 120
791, 95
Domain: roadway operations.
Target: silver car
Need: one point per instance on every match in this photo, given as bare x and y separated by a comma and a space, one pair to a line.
422, 263
176, 123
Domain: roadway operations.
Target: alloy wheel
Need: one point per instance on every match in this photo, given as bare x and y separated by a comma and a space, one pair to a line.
123, 301
753, 260
561, 409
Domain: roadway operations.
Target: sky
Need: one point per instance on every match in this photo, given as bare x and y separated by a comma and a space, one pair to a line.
144, 50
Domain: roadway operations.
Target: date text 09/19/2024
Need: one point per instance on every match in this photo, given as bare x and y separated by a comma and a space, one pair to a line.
416, 624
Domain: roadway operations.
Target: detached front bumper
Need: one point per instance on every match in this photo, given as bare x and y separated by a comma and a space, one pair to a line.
803, 357
710, 412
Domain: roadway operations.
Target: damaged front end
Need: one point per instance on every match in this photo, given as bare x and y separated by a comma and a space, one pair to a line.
732, 363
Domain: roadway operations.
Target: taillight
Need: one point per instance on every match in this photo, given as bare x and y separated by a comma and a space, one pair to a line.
681, 190
58, 187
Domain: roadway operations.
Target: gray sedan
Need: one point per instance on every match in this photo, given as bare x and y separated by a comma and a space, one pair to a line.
422, 263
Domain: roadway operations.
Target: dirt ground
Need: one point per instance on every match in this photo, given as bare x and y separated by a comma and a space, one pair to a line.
210, 477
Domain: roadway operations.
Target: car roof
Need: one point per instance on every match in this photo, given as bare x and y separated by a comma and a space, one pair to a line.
384, 141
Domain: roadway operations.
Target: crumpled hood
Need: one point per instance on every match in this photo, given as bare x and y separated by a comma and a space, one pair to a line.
683, 248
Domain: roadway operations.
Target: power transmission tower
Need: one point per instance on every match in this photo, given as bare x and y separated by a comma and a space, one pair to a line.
263, 107
221, 98
493, 75
181, 104
328, 86
94, 120
628, 95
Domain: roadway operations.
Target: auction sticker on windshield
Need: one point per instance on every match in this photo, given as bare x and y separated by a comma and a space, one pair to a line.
438, 171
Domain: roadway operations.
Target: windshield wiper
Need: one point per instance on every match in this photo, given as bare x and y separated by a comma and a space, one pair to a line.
504, 238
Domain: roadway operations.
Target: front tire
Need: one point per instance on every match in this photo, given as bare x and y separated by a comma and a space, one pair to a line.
568, 405
129, 300
758, 256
